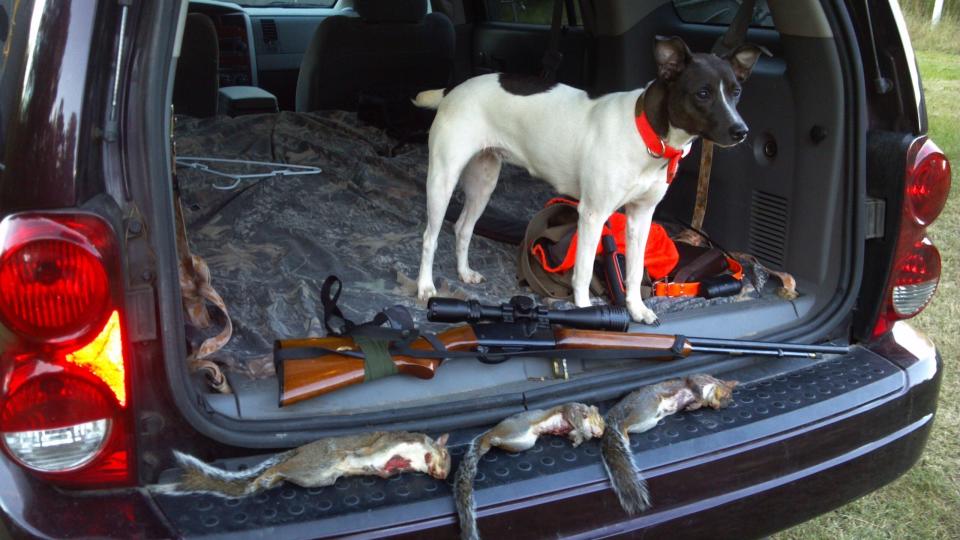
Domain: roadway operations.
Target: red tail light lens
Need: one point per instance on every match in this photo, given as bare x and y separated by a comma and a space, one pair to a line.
928, 181
916, 263
916, 279
52, 278
55, 400
64, 411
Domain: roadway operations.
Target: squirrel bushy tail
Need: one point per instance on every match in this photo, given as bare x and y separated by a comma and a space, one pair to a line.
627, 481
463, 488
200, 477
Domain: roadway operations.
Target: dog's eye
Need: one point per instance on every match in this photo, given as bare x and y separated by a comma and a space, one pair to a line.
703, 93
736, 92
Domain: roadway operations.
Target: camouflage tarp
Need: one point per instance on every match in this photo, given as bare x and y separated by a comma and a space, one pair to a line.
271, 243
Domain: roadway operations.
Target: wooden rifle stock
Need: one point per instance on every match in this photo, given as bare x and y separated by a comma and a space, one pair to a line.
570, 338
305, 378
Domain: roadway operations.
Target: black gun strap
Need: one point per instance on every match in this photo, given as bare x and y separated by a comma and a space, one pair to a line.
333, 319
372, 337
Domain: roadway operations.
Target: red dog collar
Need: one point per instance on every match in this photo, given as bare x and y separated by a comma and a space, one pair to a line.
657, 148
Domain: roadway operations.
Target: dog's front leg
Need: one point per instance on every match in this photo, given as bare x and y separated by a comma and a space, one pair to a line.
639, 218
589, 228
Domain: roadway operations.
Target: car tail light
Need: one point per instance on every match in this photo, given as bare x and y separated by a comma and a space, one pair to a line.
64, 401
52, 278
74, 417
916, 280
916, 263
928, 181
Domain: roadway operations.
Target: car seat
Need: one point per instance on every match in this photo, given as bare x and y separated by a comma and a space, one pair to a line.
391, 47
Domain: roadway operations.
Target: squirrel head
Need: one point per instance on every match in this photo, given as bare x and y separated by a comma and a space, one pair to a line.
437, 457
710, 391
586, 419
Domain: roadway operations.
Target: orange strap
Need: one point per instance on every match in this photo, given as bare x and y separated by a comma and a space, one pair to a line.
674, 290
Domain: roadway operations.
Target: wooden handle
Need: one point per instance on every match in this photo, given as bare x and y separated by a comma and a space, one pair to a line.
569, 338
305, 378
703, 185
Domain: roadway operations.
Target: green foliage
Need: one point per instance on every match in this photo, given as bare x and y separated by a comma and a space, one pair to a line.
924, 8
944, 36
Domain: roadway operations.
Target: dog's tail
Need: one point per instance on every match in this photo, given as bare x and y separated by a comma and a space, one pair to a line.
430, 99
627, 481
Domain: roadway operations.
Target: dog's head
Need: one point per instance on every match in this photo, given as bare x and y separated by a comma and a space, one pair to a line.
703, 89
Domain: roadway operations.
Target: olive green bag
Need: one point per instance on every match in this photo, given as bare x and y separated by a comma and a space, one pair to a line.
553, 225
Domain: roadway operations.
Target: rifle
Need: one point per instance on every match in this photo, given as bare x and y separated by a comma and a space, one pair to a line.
314, 366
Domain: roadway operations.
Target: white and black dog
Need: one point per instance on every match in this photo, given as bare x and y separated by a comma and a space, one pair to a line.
618, 150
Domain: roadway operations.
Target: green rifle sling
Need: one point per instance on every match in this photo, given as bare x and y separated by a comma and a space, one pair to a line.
377, 362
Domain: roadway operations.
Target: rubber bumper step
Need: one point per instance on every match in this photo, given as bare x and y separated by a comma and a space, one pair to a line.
203, 514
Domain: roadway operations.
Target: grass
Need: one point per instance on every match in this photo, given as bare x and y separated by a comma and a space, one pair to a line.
928, 38
925, 502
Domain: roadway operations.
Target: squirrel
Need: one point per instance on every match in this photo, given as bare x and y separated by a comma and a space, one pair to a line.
640, 411
576, 421
320, 463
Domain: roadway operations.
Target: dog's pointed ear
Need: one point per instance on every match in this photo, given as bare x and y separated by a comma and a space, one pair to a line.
744, 57
672, 56
442, 440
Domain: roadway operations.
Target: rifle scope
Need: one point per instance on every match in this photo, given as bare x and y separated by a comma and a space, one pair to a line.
523, 309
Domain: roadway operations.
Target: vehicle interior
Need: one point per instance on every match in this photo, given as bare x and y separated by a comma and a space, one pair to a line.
324, 88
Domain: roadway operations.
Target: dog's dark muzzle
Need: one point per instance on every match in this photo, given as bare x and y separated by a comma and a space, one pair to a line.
735, 134
738, 132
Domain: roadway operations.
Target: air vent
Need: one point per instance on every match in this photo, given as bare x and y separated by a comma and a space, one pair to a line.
769, 215
269, 29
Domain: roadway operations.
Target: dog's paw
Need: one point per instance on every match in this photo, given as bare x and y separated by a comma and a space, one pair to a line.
582, 300
426, 292
641, 313
471, 276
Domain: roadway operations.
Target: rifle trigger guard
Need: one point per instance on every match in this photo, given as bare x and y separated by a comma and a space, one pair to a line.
482, 356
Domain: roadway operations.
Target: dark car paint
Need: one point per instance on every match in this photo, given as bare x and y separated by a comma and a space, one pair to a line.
49, 131
42, 114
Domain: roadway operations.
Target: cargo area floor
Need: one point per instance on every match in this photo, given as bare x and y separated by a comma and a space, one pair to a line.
270, 243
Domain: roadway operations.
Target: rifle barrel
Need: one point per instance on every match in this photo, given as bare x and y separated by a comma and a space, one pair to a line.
757, 352
756, 347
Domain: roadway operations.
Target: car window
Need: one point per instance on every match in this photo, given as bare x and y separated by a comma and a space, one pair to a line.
527, 11
7, 96
720, 12
288, 3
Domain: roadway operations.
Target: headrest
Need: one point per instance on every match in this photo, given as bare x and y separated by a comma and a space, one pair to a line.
200, 22
397, 11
